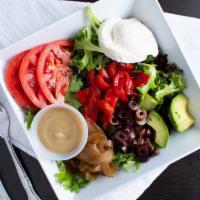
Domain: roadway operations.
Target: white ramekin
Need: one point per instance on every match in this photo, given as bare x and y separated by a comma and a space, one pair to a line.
42, 150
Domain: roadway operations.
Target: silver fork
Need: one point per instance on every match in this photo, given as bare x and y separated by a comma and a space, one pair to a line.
5, 121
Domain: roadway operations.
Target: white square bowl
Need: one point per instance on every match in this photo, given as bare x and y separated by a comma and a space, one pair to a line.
149, 12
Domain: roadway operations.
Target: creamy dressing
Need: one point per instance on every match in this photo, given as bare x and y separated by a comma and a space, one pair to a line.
60, 130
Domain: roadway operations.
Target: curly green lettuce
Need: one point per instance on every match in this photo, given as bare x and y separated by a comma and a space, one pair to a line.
166, 86
75, 85
87, 53
161, 84
29, 115
83, 40
151, 70
126, 161
73, 183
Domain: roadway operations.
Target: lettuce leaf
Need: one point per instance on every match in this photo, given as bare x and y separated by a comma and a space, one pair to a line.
87, 53
151, 70
73, 183
29, 115
126, 161
175, 83
74, 86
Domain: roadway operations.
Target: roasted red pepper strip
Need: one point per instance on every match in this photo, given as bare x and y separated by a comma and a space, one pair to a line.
140, 79
127, 66
101, 82
82, 95
107, 109
120, 78
104, 74
120, 94
113, 69
129, 87
91, 76
122, 85
91, 108
111, 98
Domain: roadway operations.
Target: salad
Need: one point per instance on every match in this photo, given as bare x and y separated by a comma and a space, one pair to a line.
114, 74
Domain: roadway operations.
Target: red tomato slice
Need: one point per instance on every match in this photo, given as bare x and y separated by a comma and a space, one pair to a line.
13, 82
28, 78
53, 72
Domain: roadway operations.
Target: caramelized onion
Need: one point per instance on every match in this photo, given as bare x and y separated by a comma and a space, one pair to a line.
109, 169
97, 156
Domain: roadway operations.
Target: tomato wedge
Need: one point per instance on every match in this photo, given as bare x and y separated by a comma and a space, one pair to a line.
53, 72
13, 82
27, 75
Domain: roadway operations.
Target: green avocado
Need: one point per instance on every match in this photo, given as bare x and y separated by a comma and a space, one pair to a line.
179, 115
148, 102
161, 130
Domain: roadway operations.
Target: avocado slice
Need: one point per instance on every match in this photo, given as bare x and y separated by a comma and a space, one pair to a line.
148, 102
161, 130
179, 115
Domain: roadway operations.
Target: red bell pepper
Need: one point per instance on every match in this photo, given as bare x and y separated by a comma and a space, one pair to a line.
107, 110
90, 107
112, 69
128, 66
111, 97
82, 95
140, 78
104, 74
102, 84
91, 76
122, 85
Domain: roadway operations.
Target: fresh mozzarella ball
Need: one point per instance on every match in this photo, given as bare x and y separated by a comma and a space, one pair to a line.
126, 40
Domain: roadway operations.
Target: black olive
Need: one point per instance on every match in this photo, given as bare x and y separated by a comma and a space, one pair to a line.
121, 137
142, 153
141, 114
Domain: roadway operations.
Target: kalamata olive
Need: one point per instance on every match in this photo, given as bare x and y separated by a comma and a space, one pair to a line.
131, 136
150, 146
157, 151
133, 105
142, 153
130, 122
128, 129
124, 149
122, 115
141, 122
138, 128
140, 114
114, 121
149, 132
121, 137
142, 132
135, 142
140, 141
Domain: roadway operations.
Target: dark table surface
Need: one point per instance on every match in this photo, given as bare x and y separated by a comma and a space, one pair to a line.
181, 181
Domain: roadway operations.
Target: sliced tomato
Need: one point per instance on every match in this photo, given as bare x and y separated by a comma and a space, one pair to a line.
28, 78
53, 72
13, 82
